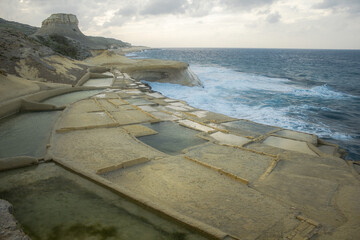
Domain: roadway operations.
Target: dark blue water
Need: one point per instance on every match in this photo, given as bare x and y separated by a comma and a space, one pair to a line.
315, 91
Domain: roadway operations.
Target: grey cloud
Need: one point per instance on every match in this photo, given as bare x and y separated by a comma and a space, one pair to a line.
126, 10
136, 9
245, 4
273, 17
62, 6
117, 20
140, 9
351, 6
262, 12
199, 8
41, 9
326, 4
158, 7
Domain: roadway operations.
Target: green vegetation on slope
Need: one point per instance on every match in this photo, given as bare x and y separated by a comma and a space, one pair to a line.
60, 44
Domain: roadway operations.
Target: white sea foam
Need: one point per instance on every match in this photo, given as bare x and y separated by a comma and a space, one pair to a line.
220, 77
321, 92
133, 54
254, 97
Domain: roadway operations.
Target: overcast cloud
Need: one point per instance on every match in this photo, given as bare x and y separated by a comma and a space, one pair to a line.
206, 23
351, 6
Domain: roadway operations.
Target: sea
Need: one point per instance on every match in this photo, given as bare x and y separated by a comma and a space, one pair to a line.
313, 91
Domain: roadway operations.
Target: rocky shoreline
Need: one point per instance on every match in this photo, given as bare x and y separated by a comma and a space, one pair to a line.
220, 177
281, 177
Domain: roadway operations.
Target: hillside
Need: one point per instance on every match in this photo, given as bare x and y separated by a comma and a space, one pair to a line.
57, 32
52, 54
49, 53
23, 56
67, 25
24, 28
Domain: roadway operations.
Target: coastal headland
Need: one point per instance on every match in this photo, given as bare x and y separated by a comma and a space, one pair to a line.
212, 176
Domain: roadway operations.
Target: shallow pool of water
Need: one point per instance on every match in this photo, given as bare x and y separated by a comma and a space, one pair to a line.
99, 82
171, 138
26, 134
70, 97
52, 203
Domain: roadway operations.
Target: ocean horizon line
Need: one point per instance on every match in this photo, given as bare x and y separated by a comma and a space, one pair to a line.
316, 49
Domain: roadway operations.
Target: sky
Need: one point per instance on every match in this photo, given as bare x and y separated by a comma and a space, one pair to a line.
317, 24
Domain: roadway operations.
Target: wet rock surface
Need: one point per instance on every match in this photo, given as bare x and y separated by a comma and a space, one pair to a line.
9, 227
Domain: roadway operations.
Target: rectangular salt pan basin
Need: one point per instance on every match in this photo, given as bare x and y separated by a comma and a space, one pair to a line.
52, 203
171, 138
99, 82
26, 134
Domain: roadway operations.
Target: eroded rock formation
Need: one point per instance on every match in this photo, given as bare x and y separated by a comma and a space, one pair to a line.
67, 25
22, 56
154, 70
63, 24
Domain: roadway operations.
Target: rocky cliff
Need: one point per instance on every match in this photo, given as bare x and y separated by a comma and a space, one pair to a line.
22, 56
67, 25
64, 25
44, 55
154, 70
61, 33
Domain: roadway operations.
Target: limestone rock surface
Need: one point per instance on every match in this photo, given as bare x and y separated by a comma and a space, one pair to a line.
154, 70
9, 228
67, 25
62, 24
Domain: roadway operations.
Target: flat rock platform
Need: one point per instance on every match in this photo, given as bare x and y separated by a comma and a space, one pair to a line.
246, 180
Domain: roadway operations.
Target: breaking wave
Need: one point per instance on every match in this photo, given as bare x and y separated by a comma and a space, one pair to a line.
272, 101
314, 91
